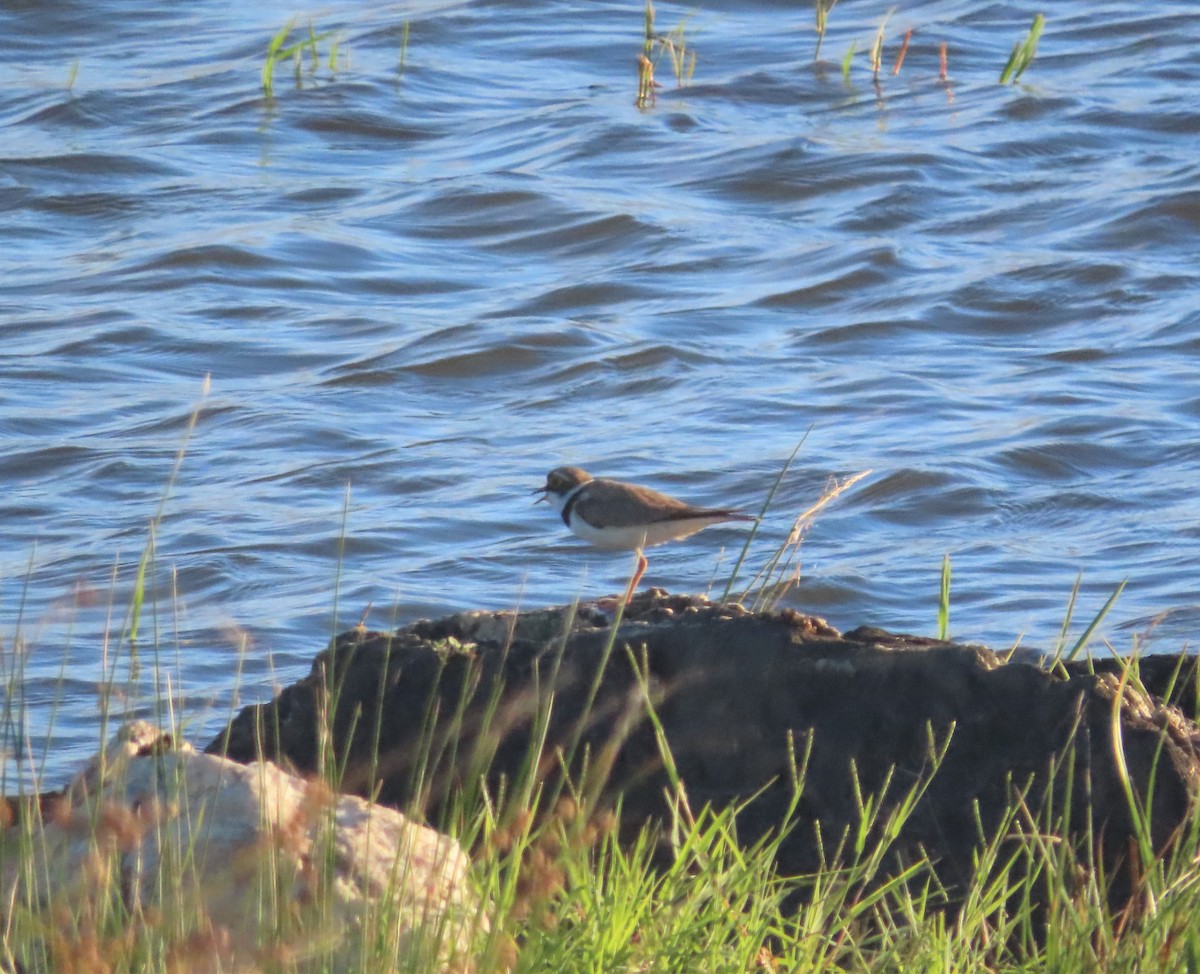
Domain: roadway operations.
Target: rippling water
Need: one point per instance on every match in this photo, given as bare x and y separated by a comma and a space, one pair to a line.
433, 283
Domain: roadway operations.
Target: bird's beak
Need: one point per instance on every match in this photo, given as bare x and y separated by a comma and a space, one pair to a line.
542, 491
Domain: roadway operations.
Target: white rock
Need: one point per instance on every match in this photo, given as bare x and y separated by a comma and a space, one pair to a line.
238, 867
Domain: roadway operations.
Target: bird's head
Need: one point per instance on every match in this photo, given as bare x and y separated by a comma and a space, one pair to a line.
560, 482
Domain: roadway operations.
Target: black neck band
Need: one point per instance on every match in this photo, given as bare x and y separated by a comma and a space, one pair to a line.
569, 506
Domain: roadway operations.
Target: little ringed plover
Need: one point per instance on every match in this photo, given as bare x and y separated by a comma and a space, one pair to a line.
617, 516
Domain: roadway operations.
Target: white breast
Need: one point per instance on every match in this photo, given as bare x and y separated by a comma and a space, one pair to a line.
629, 538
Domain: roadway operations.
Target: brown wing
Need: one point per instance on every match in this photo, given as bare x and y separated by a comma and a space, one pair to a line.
628, 504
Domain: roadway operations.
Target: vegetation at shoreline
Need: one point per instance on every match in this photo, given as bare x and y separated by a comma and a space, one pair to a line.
568, 886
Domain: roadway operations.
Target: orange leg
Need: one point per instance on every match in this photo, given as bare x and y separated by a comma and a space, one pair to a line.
637, 575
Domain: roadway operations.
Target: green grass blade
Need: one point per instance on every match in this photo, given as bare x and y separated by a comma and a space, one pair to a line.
823, 8
1067, 616
1029, 48
1023, 52
139, 585
274, 55
139, 589
1087, 633
312, 46
943, 630
1011, 64
762, 512
877, 45
847, 59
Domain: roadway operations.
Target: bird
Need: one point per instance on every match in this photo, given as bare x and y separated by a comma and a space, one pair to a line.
617, 516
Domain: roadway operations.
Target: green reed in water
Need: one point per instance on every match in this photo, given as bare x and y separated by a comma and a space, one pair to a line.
403, 46
823, 8
877, 44
278, 50
850, 51
1023, 52
674, 43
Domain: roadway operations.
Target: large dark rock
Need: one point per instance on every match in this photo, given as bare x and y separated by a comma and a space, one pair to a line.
737, 694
